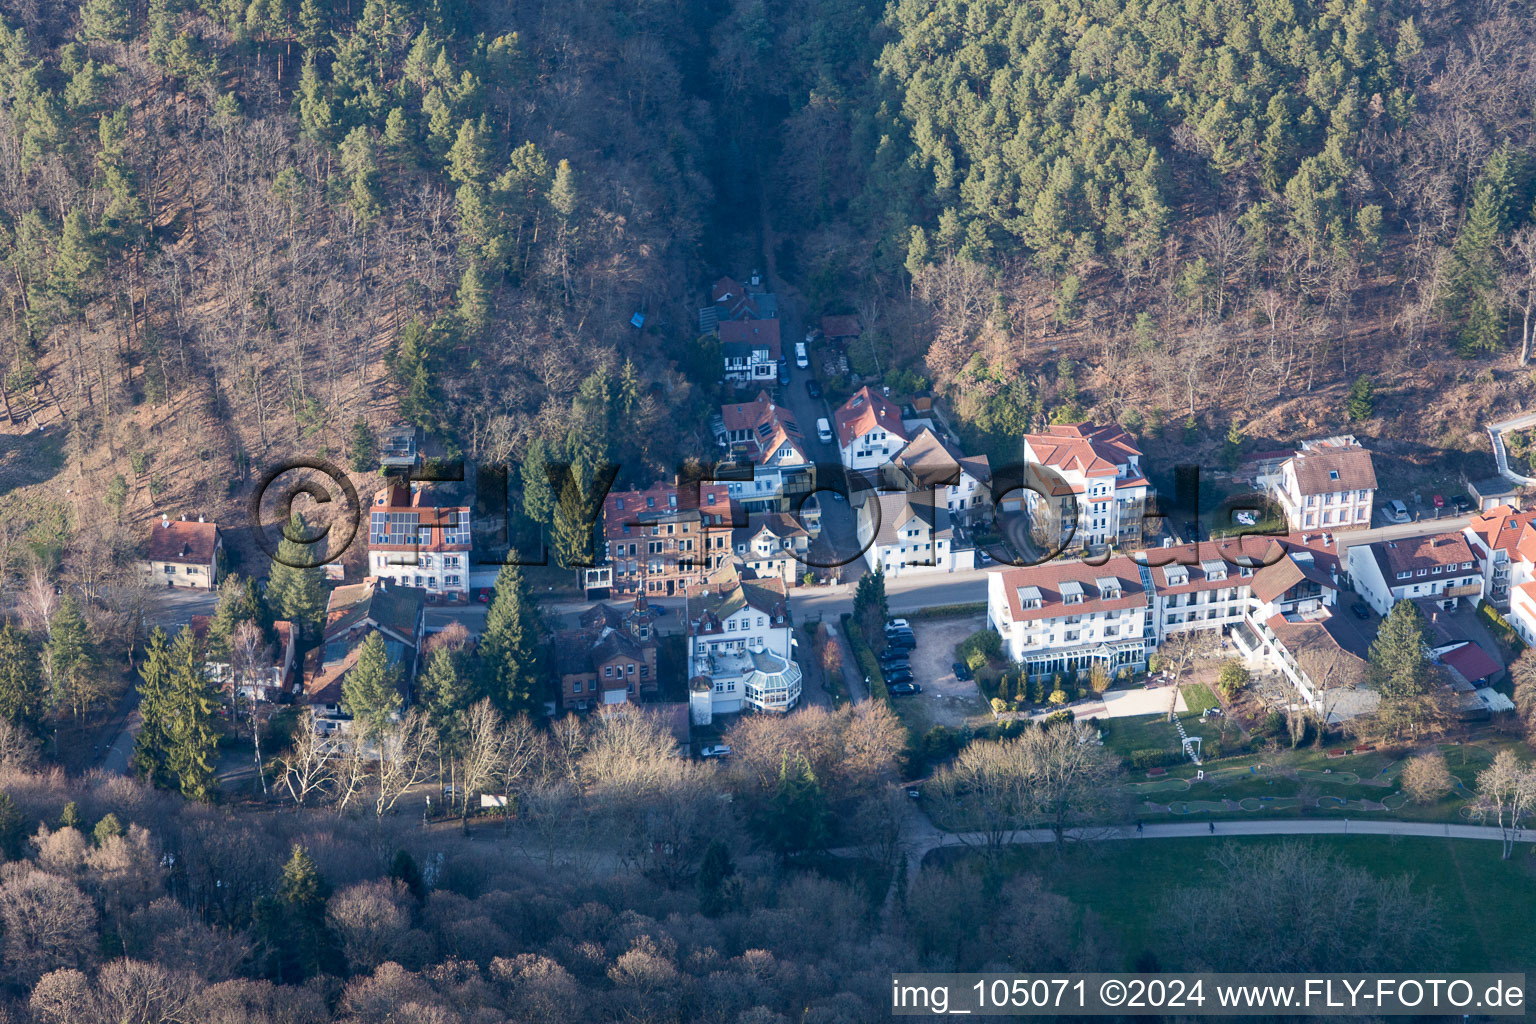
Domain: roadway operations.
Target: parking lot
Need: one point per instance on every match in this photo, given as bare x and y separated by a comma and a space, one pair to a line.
945, 700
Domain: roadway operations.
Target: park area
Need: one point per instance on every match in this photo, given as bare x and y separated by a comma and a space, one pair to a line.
1126, 883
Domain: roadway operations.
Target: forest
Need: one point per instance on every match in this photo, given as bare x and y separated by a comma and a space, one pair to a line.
237, 232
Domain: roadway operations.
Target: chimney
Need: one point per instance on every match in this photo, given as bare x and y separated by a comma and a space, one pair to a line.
201, 519
165, 520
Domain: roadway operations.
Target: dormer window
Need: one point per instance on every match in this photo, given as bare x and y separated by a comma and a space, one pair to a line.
1072, 592
1029, 597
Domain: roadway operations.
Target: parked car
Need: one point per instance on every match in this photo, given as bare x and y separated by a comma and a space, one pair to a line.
783, 371
895, 624
1360, 610
1397, 512
962, 670
896, 664
897, 678
1439, 501
901, 641
812, 388
905, 689
823, 430
718, 750
1461, 503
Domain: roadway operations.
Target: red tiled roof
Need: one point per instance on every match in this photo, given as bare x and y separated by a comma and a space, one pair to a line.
1472, 662
769, 424
1091, 450
867, 411
1049, 577
752, 332
1328, 468
710, 501
1500, 528
1409, 553
183, 542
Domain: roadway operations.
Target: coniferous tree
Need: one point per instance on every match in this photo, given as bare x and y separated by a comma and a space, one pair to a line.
152, 745
538, 492
71, 660
362, 448
23, 699
574, 525
508, 654
239, 601
290, 924
445, 691
371, 691
192, 737
1362, 398
104, 21
1399, 670
296, 584
13, 829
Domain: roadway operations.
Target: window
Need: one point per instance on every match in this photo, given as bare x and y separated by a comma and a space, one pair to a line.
576, 686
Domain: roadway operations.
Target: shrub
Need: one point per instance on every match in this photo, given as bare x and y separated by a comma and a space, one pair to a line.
979, 648
1154, 758
1426, 778
999, 706
1057, 697
1234, 676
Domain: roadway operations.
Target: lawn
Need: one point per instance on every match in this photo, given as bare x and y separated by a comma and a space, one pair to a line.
1487, 904
1199, 697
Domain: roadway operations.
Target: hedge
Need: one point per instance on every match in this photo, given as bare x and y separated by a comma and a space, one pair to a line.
868, 663
944, 611
1155, 758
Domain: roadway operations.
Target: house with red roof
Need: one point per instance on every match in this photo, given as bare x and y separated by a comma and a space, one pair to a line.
419, 536
1496, 537
1327, 484
1439, 568
764, 440
658, 540
183, 554
1088, 489
869, 430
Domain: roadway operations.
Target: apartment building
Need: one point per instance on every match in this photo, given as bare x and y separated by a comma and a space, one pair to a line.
610, 659
419, 536
1273, 598
740, 646
1087, 486
1439, 568
766, 446
1329, 484
902, 533
960, 483
659, 540
1503, 543
869, 431
772, 545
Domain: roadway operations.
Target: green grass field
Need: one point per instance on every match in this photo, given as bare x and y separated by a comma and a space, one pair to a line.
1486, 904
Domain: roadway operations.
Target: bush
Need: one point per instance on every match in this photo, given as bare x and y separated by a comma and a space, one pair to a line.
979, 648
1274, 723
1057, 697
999, 706
1155, 758
868, 663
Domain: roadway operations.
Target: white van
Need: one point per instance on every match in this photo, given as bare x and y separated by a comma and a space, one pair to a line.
824, 430
801, 359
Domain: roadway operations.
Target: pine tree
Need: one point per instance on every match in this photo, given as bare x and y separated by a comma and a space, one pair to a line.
290, 925
70, 659
13, 829
317, 118
1470, 300
23, 700
507, 656
77, 261
358, 161
312, 24
296, 583
104, 21
562, 191
192, 737
1362, 397
152, 745
69, 817
468, 163
1399, 669
1232, 447
362, 449
239, 601
445, 692
474, 298
371, 691
574, 528
538, 492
